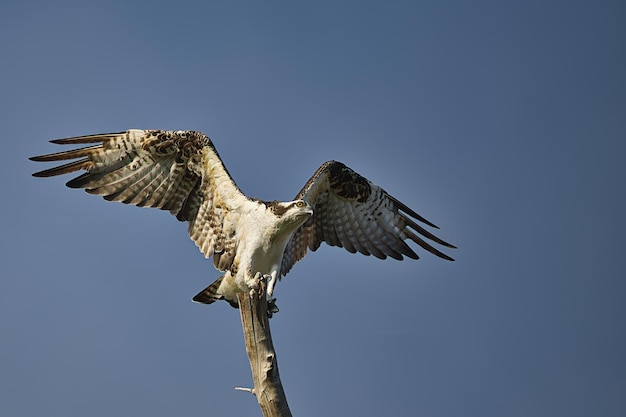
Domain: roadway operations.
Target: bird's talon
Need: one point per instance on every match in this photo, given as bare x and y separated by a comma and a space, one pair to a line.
272, 308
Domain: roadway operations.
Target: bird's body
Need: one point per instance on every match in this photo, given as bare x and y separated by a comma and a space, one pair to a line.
261, 248
181, 171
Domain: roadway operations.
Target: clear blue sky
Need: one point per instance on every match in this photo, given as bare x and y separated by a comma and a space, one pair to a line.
503, 122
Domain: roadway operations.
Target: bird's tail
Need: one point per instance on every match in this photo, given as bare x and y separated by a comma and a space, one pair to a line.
210, 295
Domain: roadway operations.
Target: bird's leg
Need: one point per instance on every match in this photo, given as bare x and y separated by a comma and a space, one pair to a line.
270, 283
271, 301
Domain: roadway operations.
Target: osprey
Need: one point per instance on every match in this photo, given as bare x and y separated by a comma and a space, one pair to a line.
181, 171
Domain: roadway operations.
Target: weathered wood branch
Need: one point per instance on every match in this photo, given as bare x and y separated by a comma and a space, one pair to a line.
256, 329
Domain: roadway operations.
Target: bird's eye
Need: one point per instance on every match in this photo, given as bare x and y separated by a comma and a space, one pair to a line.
300, 204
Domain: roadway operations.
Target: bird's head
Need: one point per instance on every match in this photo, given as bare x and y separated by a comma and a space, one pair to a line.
292, 213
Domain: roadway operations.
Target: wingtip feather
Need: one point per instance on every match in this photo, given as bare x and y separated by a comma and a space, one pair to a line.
411, 212
63, 169
101, 137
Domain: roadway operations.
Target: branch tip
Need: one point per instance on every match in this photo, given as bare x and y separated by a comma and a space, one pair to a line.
250, 390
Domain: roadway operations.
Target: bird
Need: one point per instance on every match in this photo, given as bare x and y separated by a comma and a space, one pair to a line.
249, 239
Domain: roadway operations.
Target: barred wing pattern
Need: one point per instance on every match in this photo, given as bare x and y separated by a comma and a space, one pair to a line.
350, 211
178, 171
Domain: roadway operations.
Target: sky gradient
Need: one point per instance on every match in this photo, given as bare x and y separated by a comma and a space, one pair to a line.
502, 122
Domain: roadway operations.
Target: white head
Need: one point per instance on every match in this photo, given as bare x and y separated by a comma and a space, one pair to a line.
291, 213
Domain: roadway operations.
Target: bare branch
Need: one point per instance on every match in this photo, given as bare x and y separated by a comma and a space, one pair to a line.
256, 329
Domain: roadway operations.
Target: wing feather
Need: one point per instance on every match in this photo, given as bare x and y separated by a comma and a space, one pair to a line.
350, 211
361, 242
177, 171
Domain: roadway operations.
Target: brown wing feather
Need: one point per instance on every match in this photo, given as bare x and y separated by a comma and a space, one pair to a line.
178, 171
351, 212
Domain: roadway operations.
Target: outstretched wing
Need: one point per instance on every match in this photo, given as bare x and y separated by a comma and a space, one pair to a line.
351, 212
179, 171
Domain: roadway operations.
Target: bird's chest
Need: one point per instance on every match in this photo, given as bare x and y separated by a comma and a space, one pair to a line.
262, 243
264, 249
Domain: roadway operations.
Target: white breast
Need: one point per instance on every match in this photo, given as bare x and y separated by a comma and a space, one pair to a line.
264, 241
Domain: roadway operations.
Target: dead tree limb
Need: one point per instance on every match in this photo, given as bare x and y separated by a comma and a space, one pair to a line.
256, 329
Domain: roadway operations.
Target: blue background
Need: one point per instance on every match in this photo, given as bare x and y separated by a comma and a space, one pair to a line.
503, 122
